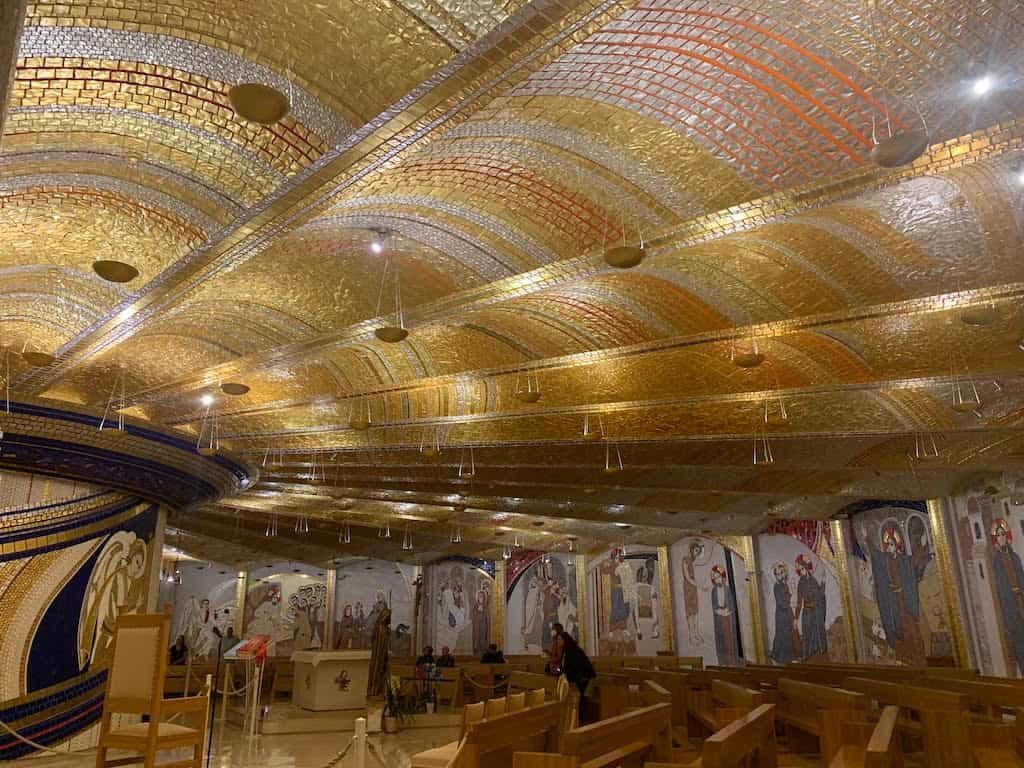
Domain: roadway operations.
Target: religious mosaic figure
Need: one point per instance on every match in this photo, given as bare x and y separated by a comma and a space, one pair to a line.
1009, 582
896, 592
481, 621
379, 645
723, 604
786, 643
810, 610
346, 629
691, 603
117, 585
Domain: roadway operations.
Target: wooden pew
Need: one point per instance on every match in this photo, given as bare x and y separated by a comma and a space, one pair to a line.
449, 686
939, 718
626, 740
490, 743
724, 702
988, 700
816, 711
676, 685
745, 743
528, 681
174, 681
866, 745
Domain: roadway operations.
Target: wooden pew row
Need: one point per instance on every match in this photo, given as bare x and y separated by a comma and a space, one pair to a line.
490, 743
717, 706
174, 682
813, 714
626, 740
675, 683
863, 745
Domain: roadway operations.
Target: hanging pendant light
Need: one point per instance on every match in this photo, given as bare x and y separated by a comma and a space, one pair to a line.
925, 447
359, 414
430, 441
345, 534
775, 417
965, 396
762, 449
530, 393
116, 402
467, 471
391, 334
750, 358
612, 463
407, 539
625, 256
589, 433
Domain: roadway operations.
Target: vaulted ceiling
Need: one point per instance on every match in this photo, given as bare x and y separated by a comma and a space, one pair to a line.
496, 150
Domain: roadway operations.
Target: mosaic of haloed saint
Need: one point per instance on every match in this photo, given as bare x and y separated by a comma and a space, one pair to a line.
710, 604
541, 591
801, 603
989, 532
362, 591
626, 610
459, 608
897, 592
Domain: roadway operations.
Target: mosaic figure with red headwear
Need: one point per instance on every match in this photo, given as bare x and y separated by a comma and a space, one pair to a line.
810, 610
1009, 580
723, 604
896, 592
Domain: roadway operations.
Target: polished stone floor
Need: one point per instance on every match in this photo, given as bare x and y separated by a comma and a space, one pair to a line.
306, 750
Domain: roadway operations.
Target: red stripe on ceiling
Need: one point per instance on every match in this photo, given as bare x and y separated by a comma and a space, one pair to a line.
788, 42
772, 93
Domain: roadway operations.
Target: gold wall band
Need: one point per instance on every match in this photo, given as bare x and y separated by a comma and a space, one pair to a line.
581, 600
241, 590
944, 559
744, 545
665, 597
839, 536
332, 586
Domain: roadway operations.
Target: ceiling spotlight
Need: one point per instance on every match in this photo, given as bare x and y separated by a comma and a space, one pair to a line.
982, 85
206, 399
377, 246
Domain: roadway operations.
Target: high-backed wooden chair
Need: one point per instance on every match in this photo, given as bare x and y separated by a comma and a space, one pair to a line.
516, 701
495, 707
135, 686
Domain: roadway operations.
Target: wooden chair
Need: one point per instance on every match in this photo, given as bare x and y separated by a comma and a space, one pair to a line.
536, 697
516, 702
495, 707
135, 685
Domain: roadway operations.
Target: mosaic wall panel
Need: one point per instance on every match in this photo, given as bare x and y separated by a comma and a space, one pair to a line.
624, 605
77, 564
540, 591
801, 598
988, 538
205, 603
458, 610
902, 614
288, 603
361, 591
711, 602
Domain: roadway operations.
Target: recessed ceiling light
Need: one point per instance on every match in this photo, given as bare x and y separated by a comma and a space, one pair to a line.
206, 399
377, 246
258, 103
982, 85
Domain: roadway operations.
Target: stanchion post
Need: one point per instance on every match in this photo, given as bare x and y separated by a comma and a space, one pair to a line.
360, 742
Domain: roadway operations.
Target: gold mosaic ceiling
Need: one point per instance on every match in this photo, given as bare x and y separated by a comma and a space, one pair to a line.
503, 147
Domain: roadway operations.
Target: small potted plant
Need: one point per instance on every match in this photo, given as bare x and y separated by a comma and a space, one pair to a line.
396, 708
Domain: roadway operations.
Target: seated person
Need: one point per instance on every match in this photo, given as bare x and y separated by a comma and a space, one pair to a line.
445, 659
179, 651
427, 657
492, 655
555, 652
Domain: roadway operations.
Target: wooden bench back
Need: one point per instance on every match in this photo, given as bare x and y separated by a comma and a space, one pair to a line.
675, 684
749, 741
819, 696
528, 681
940, 718
647, 732
492, 741
735, 696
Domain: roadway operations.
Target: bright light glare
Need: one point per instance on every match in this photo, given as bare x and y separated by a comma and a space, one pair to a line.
206, 399
377, 246
982, 85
